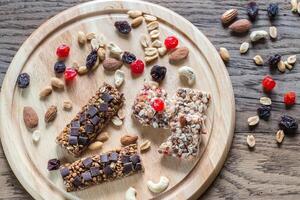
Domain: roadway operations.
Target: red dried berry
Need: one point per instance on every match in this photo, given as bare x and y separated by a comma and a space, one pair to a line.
171, 42
137, 67
290, 98
268, 83
70, 74
63, 51
158, 105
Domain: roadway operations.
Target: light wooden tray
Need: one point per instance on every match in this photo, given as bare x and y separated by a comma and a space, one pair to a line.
188, 179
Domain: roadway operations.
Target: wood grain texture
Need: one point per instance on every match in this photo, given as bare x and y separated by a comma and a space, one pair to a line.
268, 172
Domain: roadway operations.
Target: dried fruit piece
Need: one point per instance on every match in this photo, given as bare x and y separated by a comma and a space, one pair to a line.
30, 117
273, 10
103, 136
258, 60
128, 139
137, 67
23, 80
244, 47
123, 27
158, 73
46, 91
279, 136
251, 141
268, 83
281, 66
252, 121
178, 54
67, 105
112, 64
137, 22
150, 18
128, 57
292, 59
91, 59
265, 101
50, 114
273, 32
264, 112
57, 83
63, 51
95, 145
70, 74
224, 54
116, 121
59, 67
289, 98
229, 16
288, 124
158, 104
240, 26
145, 146
81, 38
119, 78
134, 13
53, 164
258, 35
171, 42
36, 136
274, 60
252, 10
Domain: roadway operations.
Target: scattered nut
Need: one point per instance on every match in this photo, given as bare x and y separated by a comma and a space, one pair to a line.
149, 59
115, 50
178, 54
130, 194
244, 47
145, 41
150, 51
145, 146
154, 34
251, 141
121, 114
112, 64
162, 51
50, 114
98, 41
188, 73
95, 145
279, 136
45, 92
281, 66
137, 21
160, 186
81, 38
119, 78
289, 66
224, 54
102, 137
292, 59
150, 18
101, 53
90, 36
252, 121
67, 105
36, 136
116, 121
152, 26
258, 60
273, 32
229, 16
57, 83
294, 4
240, 26
128, 139
134, 13
157, 43
265, 101
258, 35
82, 70
30, 117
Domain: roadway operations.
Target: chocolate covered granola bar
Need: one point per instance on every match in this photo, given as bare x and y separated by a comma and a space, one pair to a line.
101, 168
90, 121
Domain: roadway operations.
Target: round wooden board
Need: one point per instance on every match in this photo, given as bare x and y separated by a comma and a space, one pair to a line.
188, 179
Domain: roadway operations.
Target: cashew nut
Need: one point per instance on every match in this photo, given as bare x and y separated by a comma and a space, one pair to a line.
188, 73
130, 194
115, 50
160, 186
119, 78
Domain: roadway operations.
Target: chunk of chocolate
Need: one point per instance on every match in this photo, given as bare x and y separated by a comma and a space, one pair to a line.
107, 170
103, 107
125, 159
107, 97
138, 167
73, 140
127, 168
135, 159
53, 164
64, 172
83, 140
77, 181
87, 162
74, 131
95, 171
82, 118
113, 157
104, 158
95, 120
92, 111
89, 128
75, 124
86, 176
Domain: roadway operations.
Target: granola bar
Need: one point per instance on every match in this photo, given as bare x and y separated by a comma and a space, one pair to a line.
187, 123
143, 110
90, 121
101, 168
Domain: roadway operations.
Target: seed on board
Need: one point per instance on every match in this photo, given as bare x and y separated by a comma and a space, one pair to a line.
224, 54
145, 146
57, 83
251, 141
252, 121
101, 53
152, 26
82, 70
134, 13
150, 51
273, 32
50, 114
115, 50
229, 16
45, 92
162, 51
145, 41
281, 66
292, 59
90, 36
154, 34
119, 78
95, 145
150, 18
81, 38
121, 114
157, 43
117, 121
137, 21
294, 4
279, 136
258, 35
288, 66
67, 105
240, 26
103, 136
244, 47
265, 101
149, 59
258, 60
36, 136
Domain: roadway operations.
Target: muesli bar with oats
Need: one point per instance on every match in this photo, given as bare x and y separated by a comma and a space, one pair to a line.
91, 119
187, 123
101, 168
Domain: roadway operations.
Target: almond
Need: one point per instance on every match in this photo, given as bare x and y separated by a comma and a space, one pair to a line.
50, 114
128, 139
112, 64
178, 54
240, 26
30, 117
229, 15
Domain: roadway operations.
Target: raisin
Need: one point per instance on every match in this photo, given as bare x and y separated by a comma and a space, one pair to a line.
264, 112
23, 80
252, 10
59, 67
274, 60
158, 73
53, 164
288, 124
273, 10
123, 27
128, 57
91, 60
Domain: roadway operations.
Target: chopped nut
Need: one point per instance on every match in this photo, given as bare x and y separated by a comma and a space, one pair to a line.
152, 26
134, 13
279, 136
224, 54
258, 60
103, 136
150, 51
265, 101
101, 53
157, 43
150, 18
121, 114
95, 145
281, 66
90, 36
137, 21
251, 141
292, 59
81, 38
252, 121
145, 146
244, 47
117, 121
57, 83
154, 34
67, 105
162, 51
45, 92
290, 67
145, 41
273, 32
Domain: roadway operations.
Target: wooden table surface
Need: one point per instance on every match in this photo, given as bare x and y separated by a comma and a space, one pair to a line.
267, 172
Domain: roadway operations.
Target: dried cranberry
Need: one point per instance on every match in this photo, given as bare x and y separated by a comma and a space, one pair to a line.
252, 10
158, 73
171, 42
123, 27
70, 74
273, 10
23, 80
274, 60
290, 98
268, 83
91, 60
288, 124
128, 57
264, 112
158, 104
59, 67
63, 51
137, 67
53, 164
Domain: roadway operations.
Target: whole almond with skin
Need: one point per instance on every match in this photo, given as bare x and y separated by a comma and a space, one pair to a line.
128, 139
178, 54
229, 15
50, 114
30, 117
112, 64
240, 26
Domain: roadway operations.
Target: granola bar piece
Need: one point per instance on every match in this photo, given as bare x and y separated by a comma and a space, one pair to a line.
90, 121
143, 110
187, 123
101, 168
